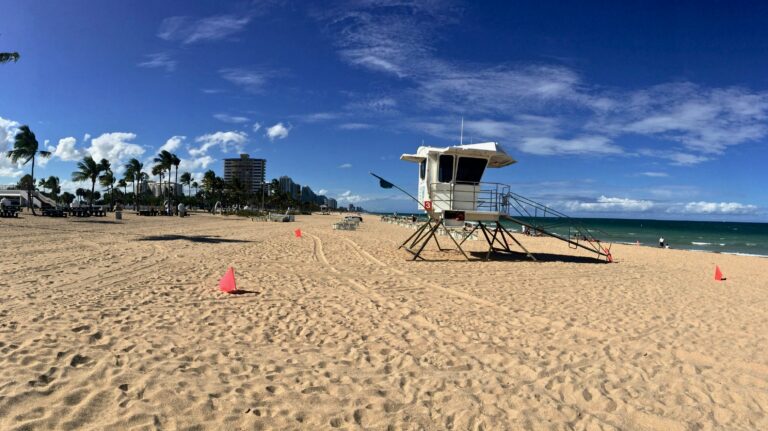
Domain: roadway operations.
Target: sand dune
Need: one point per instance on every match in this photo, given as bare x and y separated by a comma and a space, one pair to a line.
119, 325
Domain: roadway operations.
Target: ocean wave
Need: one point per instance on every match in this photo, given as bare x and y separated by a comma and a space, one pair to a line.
751, 244
744, 254
701, 243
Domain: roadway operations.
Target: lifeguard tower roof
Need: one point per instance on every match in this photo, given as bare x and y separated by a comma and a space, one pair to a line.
496, 156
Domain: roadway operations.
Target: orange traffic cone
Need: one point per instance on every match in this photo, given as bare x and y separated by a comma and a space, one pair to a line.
718, 274
227, 283
297, 232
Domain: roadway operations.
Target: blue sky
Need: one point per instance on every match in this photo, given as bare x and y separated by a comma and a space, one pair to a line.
614, 109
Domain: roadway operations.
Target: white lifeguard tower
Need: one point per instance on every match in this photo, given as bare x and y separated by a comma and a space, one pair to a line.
450, 180
452, 193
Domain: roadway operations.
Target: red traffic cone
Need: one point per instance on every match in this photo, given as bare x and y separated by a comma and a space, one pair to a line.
718, 274
297, 232
227, 283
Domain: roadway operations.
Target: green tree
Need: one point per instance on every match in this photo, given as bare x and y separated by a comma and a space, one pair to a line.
164, 161
121, 183
133, 171
67, 198
107, 179
7, 57
54, 185
80, 192
175, 161
186, 179
25, 148
88, 169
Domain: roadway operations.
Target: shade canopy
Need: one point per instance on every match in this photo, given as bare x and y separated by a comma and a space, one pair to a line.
497, 157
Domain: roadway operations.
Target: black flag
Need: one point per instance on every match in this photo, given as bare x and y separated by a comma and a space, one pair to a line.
385, 184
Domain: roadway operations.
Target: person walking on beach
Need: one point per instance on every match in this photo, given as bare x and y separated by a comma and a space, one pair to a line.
661, 242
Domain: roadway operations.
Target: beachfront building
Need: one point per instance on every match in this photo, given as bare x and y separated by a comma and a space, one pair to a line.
331, 203
289, 187
307, 195
161, 189
250, 172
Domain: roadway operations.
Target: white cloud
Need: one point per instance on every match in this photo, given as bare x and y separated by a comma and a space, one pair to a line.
225, 140
654, 174
256, 127
8, 130
374, 105
350, 198
172, 144
230, 118
730, 208
322, 192
201, 162
677, 158
115, 147
318, 117
354, 126
67, 151
700, 119
190, 30
610, 204
345, 165
159, 60
251, 80
278, 131
86, 137
597, 145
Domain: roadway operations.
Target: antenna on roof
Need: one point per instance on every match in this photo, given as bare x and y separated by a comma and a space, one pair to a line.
461, 136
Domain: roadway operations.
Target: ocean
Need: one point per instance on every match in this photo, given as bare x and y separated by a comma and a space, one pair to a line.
715, 237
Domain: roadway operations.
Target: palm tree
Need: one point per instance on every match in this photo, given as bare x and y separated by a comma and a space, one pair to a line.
88, 169
42, 184
164, 160
107, 179
53, 184
7, 57
158, 170
175, 161
25, 148
80, 193
186, 179
121, 183
67, 198
195, 185
133, 171
209, 180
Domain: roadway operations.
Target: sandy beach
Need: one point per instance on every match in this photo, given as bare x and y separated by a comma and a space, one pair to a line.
119, 325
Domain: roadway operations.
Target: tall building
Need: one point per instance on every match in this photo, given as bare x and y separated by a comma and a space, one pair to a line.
250, 172
161, 189
286, 184
307, 195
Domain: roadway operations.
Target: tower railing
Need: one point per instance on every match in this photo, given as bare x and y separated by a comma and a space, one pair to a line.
534, 217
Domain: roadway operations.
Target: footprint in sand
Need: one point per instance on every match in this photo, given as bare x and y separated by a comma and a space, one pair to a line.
78, 360
81, 328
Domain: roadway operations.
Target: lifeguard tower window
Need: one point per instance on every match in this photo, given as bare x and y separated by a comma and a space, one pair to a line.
422, 169
445, 169
470, 170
